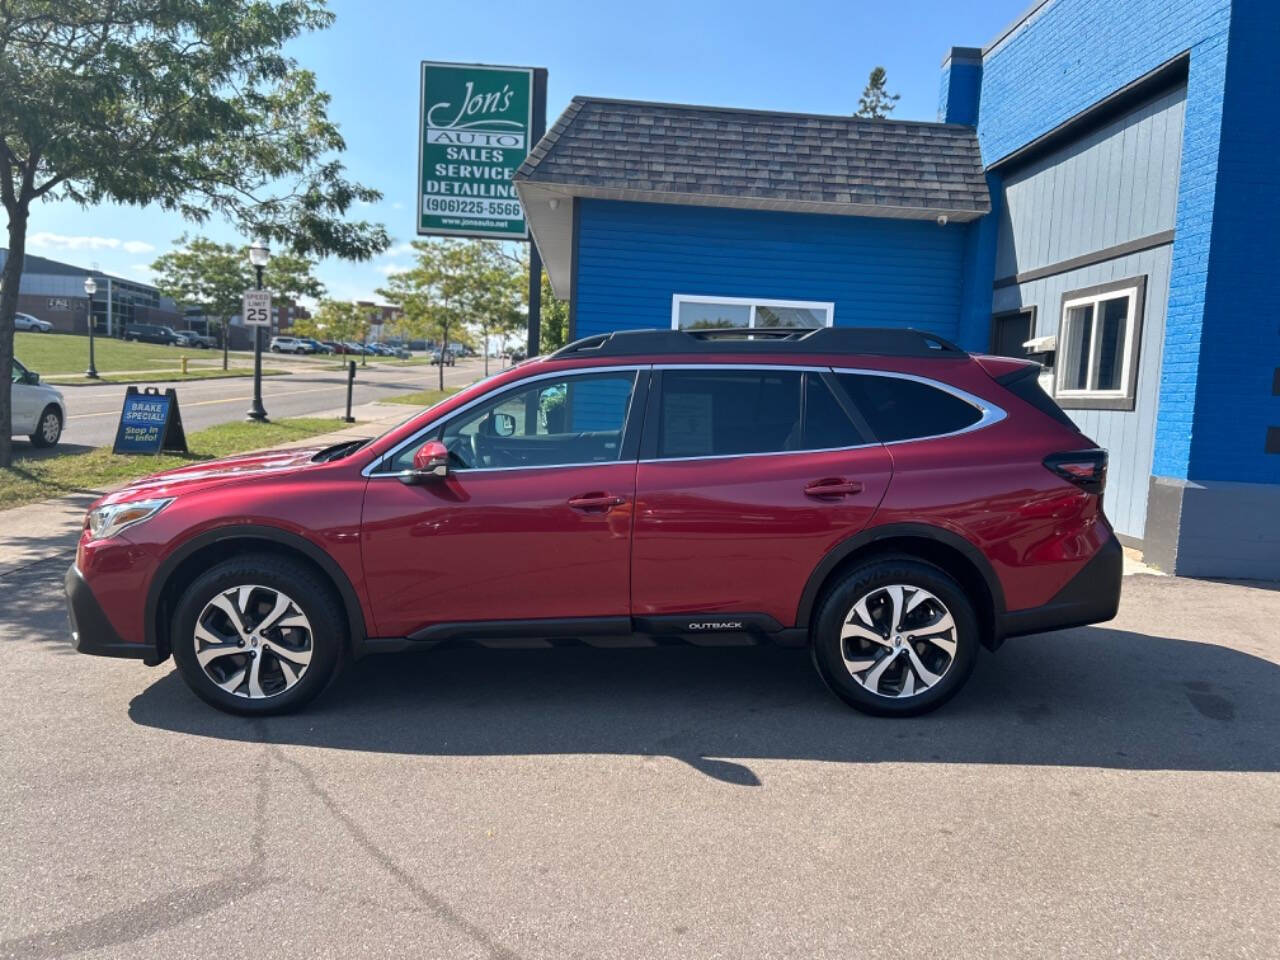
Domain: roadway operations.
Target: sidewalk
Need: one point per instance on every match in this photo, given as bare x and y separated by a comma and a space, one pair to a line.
49, 530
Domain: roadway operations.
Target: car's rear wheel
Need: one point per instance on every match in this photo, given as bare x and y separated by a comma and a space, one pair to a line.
258, 635
895, 637
48, 428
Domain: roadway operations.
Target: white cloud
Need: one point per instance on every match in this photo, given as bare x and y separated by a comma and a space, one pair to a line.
63, 242
400, 250
387, 269
397, 205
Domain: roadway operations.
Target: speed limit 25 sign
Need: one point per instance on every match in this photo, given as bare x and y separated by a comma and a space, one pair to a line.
256, 309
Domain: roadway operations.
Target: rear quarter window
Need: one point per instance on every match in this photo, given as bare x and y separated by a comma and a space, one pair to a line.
901, 409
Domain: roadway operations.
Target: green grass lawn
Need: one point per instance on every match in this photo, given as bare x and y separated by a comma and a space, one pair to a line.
29, 480
61, 353
423, 398
157, 376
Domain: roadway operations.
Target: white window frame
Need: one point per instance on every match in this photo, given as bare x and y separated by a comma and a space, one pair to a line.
677, 299
1123, 397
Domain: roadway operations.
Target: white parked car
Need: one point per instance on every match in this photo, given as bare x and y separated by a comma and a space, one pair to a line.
290, 345
25, 321
38, 410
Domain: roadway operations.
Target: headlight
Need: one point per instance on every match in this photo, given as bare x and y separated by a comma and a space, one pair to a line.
109, 520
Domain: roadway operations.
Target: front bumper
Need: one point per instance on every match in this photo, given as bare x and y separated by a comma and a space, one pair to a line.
91, 631
1091, 596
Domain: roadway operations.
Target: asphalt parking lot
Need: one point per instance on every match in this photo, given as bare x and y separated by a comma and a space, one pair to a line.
1110, 791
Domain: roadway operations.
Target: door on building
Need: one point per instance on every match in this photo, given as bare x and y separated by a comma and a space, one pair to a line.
1009, 331
748, 476
533, 521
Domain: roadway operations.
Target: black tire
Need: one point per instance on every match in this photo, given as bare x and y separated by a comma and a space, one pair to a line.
838, 603
311, 594
44, 435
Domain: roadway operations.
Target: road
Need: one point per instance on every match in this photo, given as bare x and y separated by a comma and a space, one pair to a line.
1111, 791
308, 389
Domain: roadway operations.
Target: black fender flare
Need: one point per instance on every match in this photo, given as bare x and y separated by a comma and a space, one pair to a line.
359, 631
889, 531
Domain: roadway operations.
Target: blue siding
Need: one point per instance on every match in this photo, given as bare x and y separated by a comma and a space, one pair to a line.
633, 257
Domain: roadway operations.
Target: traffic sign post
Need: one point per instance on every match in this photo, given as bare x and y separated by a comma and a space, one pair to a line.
256, 313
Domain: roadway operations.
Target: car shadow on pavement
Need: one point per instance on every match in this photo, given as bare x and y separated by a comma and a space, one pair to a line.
1093, 696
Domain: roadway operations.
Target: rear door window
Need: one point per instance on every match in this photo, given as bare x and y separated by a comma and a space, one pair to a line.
732, 412
901, 409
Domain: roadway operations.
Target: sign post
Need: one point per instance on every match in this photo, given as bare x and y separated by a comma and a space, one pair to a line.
477, 125
256, 311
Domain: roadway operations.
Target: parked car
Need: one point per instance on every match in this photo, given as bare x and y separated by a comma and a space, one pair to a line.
150, 333
879, 495
26, 322
291, 345
356, 348
38, 410
446, 355
316, 345
195, 341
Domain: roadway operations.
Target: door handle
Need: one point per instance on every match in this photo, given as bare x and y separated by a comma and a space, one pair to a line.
596, 501
833, 487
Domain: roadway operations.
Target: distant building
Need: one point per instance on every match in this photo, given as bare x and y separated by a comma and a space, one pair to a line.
384, 318
54, 291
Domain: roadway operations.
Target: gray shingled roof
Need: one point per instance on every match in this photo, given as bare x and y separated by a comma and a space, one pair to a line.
760, 158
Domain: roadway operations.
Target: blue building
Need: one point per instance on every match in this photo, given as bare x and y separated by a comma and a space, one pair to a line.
1099, 192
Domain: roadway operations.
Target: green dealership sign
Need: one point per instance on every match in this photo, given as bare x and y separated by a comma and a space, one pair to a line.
477, 125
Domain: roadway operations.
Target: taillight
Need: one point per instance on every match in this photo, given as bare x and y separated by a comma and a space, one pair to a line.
1087, 469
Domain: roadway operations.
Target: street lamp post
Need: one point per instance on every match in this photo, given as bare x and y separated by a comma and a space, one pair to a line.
258, 256
90, 288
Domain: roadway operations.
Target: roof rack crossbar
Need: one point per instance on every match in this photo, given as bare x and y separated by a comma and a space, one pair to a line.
882, 341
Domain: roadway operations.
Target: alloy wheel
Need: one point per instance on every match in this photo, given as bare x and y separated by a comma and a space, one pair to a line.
253, 641
898, 641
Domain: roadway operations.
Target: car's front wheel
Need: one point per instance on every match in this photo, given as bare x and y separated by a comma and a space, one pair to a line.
258, 635
48, 428
895, 637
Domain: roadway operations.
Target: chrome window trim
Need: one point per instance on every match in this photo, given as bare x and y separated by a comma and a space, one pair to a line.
370, 471
990, 414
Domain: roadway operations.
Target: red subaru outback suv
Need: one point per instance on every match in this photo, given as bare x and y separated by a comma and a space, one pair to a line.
879, 495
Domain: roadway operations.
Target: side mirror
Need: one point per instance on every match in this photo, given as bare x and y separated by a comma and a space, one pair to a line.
32, 378
429, 463
504, 425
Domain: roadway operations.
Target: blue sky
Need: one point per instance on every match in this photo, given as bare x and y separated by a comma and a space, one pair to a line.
801, 55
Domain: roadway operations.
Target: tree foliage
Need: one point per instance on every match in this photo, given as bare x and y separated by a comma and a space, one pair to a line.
213, 276
554, 329
335, 320
190, 105
876, 101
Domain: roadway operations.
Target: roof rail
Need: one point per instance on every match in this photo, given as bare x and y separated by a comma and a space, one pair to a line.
881, 341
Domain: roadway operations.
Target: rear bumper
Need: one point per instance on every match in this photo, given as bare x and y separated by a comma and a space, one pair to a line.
1091, 596
91, 631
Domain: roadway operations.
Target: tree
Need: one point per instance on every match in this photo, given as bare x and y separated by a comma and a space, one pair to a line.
190, 105
434, 292
876, 102
335, 320
493, 292
213, 276
554, 332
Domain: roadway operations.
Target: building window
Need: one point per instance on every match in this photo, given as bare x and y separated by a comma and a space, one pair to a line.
1009, 331
714, 313
1098, 337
